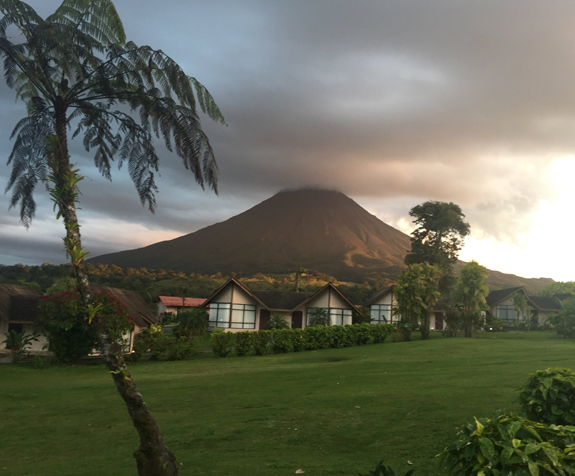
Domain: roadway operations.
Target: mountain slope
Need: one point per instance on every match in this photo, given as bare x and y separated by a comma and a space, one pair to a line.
317, 229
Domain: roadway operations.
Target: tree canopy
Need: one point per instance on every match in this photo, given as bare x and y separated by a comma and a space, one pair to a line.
438, 237
470, 293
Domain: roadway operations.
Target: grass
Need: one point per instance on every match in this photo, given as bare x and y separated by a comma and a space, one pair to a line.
330, 412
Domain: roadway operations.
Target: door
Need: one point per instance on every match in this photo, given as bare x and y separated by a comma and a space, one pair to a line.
264, 318
439, 321
297, 320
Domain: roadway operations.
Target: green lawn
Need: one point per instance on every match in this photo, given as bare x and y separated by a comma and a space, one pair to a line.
330, 412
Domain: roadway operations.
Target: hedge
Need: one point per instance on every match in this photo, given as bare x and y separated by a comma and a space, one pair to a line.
297, 340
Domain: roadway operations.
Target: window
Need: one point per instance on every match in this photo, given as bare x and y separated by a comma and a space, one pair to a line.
381, 313
220, 315
236, 316
337, 317
507, 314
243, 316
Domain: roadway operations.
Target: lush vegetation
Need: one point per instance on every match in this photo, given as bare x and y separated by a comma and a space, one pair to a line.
329, 412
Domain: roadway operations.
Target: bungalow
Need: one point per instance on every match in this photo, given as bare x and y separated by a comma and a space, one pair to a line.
383, 303
234, 307
19, 307
173, 304
500, 304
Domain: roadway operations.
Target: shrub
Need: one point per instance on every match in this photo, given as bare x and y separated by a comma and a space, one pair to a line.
165, 347
340, 336
363, 333
18, 343
191, 323
493, 324
277, 322
549, 396
380, 331
244, 343
316, 337
262, 341
222, 342
298, 340
63, 319
281, 340
508, 444
564, 321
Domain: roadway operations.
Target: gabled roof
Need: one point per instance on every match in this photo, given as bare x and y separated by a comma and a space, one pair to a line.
378, 295
277, 300
328, 285
174, 301
281, 300
539, 302
7, 291
563, 296
247, 290
495, 297
140, 313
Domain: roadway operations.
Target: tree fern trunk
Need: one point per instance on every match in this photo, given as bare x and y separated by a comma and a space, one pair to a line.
153, 457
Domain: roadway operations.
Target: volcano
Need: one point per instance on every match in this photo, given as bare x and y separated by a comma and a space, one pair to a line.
323, 230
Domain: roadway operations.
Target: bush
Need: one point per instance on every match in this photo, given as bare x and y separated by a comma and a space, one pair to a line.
244, 343
340, 336
493, 324
222, 342
281, 340
63, 319
508, 444
165, 347
316, 337
191, 323
362, 333
298, 340
549, 396
564, 321
262, 341
380, 331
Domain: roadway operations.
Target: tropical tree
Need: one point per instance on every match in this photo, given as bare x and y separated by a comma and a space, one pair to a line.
75, 71
521, 306
277, 322
192, 322
469, 295
318, 316
416, 292
438, 238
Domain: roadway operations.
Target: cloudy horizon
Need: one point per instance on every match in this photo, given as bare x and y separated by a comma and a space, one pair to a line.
392, 103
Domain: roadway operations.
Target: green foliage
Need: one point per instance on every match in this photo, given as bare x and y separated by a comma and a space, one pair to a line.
416, 293
281, 340
316, 337
262, 342
165, 347
63, 319
521, 306
381, 470
244, 342
18, 343
564, 321
277, 322
508, 444
298, 340
469, 296
40, 362
192, 322
318, 316
493, 323
379, 332
437, 238
340, 336
222, 342
362, 333
549, 396
558, 287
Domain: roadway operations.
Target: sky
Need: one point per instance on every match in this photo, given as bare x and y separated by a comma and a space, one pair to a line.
393, 103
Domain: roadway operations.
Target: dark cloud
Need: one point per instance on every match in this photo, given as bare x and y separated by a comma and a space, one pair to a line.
391, 102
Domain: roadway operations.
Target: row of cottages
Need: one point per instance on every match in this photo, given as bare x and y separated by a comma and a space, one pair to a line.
500, 304
19, 308
235, 307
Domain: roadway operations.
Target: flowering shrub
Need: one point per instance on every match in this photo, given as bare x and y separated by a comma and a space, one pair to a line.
63, 318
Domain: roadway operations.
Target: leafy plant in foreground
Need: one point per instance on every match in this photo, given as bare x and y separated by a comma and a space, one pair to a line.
381, 470
510, 445
549, 396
